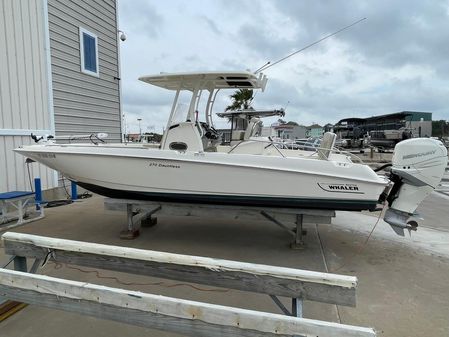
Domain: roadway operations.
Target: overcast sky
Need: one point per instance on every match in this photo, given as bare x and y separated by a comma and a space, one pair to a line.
397, 59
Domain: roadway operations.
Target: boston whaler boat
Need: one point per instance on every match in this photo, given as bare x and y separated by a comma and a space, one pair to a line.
189, 166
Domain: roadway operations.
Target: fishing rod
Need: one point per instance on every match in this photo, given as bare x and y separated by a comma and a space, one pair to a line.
269, 64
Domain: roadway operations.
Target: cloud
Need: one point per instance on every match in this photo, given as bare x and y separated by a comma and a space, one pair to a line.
395, 32
140, 16
211, 25
395, 60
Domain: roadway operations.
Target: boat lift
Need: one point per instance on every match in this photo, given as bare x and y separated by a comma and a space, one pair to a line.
190, 318
144, 213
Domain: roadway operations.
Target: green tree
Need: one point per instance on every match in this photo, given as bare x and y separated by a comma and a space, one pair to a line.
241, 100
440, 128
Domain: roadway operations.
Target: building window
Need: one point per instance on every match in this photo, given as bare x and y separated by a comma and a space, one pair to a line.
89, 52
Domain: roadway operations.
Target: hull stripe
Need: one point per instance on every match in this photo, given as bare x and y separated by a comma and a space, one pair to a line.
282, 202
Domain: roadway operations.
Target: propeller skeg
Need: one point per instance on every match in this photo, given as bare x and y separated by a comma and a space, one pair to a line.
399, 221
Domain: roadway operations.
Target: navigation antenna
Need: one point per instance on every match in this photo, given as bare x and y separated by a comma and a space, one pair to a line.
269, 64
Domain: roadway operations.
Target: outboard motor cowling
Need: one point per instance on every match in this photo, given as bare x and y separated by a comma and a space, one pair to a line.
418, 165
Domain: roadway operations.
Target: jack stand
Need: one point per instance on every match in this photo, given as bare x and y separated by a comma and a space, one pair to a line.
143, 213
130, 233
299, 233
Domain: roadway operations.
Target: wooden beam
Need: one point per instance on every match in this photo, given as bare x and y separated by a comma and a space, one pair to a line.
220, 211
279, 281
160, 312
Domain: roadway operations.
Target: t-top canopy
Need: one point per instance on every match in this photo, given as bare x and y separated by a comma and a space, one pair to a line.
249, 113
207, 80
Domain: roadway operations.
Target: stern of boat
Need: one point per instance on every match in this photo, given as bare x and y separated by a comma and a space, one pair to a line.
418, 165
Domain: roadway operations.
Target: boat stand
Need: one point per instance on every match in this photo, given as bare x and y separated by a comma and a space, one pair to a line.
189, 318
142, 213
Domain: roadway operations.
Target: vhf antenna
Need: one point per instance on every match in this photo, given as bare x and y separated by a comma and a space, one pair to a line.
269, 64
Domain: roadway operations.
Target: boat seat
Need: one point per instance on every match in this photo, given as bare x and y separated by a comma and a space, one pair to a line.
253, 129
327, 144
238, 135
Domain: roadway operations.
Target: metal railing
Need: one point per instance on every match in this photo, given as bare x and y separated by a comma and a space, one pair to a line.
279, 146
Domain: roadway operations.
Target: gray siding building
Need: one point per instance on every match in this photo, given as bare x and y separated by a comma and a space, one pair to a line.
59, 61
85, 101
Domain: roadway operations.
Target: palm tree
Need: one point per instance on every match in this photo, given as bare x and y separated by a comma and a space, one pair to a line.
241, 100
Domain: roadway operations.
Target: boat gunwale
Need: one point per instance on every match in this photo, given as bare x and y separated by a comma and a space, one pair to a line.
381, 182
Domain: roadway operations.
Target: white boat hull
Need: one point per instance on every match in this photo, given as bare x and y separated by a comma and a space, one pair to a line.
218, 178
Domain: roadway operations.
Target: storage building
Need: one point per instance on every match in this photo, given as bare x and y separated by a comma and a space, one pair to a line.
59, 61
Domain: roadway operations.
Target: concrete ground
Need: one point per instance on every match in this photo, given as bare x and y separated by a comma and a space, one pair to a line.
403, 281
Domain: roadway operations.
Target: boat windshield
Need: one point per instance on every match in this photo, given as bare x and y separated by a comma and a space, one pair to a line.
180, 114
239, 124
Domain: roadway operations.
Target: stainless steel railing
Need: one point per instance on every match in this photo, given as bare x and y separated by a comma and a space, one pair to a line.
301, 147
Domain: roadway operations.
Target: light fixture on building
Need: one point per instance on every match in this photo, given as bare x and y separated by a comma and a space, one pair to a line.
122, 35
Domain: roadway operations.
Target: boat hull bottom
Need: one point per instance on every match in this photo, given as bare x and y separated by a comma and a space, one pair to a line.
250, 201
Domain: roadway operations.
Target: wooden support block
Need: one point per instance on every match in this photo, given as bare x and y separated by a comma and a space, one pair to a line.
163, 313
298, 245
9, 308
129, 234
149, 222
